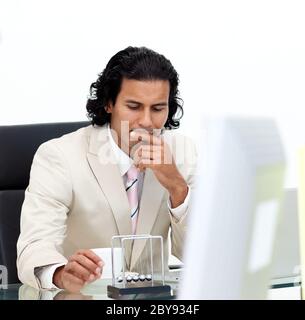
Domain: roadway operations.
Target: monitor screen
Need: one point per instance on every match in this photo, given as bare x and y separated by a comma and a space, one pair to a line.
234, 214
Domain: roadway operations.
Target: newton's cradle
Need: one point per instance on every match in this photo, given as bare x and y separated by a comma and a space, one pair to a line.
149, 281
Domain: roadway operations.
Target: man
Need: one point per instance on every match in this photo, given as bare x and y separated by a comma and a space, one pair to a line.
116, 177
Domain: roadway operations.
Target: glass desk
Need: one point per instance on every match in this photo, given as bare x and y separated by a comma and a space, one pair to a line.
94, 291
285, 289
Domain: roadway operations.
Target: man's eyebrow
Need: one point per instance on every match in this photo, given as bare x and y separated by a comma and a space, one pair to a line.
159, 104
133, 101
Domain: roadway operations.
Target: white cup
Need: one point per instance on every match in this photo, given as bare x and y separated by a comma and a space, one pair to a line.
105, 255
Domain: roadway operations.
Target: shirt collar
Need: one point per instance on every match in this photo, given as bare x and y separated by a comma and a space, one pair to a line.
124, 161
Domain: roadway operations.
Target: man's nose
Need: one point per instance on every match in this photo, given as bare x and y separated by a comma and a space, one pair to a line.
145, 120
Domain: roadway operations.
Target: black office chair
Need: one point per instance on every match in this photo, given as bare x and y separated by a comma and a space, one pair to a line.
18, 144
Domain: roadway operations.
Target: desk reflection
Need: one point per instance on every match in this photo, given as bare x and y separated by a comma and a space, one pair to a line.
94, 291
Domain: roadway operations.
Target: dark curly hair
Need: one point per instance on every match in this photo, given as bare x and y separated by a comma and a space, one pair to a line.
138, 64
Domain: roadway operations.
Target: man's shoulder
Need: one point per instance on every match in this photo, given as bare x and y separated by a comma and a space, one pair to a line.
78, 135
73, 140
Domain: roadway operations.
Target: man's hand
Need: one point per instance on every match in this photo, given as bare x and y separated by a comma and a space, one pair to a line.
155, 154
83, 267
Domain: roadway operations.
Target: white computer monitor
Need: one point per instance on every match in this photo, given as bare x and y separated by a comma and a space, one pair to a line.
234, 214
286, 265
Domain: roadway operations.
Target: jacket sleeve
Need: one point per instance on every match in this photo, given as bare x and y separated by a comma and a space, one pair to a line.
44, 213
188, 170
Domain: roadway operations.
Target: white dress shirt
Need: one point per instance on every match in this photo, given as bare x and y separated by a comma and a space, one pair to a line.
45, 274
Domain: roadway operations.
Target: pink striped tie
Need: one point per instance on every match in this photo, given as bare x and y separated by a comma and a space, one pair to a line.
132, 194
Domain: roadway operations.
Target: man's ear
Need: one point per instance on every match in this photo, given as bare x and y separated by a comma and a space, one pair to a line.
109, 107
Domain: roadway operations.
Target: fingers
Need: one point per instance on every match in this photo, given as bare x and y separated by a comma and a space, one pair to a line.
92, 256
85, 265
142, 137
88, 259
148, 151
79, 271
152, 155
145, 137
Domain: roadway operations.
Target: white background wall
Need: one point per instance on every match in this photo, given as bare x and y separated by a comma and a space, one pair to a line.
232, 56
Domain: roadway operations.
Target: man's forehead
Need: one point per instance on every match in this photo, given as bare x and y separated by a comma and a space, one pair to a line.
142, 89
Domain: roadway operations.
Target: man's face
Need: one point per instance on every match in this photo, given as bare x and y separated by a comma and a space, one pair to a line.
141, 105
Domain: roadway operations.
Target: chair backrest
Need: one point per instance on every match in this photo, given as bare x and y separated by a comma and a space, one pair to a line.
18, 144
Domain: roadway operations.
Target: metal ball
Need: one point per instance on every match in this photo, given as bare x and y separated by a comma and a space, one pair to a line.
119, 279
129, 278
148, 277
135, 278
142, 277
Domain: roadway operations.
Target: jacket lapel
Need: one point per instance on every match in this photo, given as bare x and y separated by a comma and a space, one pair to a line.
105, 168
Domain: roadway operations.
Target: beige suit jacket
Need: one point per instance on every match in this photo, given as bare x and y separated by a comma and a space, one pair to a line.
76, 200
